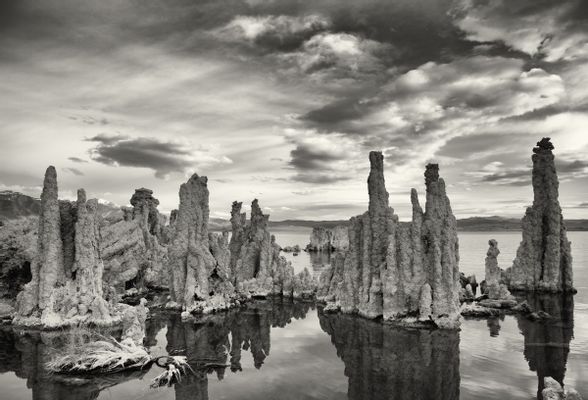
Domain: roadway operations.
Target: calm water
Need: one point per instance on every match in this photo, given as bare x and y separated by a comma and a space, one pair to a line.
284, 350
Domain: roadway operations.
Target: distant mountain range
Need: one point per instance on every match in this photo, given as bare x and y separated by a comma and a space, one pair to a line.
16, 205
472, 224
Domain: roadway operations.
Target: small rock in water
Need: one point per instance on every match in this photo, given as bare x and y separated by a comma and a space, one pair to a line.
472, 310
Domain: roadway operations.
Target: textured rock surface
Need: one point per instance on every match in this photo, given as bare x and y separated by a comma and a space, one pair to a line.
134, 321
328, 239
495, 289
403, 272
47, 268
381, 360
219, 247
131, 249
554, 391
17, 251
66, 284
145, 210
257, 249
544, 260
197, 282
238, 225
257, 267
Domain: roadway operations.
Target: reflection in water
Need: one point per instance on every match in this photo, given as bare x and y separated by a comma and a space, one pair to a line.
211, 344
547, 343
493, 324
215, 342
25, 354
383, 362
319, 260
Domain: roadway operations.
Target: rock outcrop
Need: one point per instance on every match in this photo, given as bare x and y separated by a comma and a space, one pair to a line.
66, 283
145, 210
544, 259
17, 252
256, 264
495, 289
133, 255
134, 322
554, 391
404, 272
198, 283
328, 239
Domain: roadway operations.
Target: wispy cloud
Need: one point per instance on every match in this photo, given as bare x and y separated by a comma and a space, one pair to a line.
74, 171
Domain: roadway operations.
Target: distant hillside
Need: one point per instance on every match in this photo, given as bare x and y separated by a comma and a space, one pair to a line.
307, 223
473, 224
485, 224
16, 205
489, 224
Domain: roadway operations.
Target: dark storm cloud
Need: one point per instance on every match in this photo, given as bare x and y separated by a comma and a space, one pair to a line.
74, 171
320, 160
571, 166
309, 158
522, 176
161, 156
512, 178
337, 111
77, 160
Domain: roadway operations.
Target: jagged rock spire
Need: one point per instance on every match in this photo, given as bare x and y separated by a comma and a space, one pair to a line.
56, 295
544, 260
399, 270
47, 269
145, 210
191, 262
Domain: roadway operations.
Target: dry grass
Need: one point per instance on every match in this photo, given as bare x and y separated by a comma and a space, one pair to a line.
105, 355
89, 352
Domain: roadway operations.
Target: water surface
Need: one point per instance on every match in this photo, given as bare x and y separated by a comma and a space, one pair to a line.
277, 349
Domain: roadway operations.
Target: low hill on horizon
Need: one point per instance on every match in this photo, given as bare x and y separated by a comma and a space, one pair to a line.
15, 205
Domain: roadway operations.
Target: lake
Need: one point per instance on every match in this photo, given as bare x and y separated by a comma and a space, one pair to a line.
277, 349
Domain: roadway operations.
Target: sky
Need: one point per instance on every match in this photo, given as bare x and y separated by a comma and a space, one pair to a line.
283, 100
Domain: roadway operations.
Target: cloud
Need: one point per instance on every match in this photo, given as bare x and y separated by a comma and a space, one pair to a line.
320, 159
74, 171
583, 205
77, 160
467, 88
496, 174
272, 32
550, 30
164, 157
339, 56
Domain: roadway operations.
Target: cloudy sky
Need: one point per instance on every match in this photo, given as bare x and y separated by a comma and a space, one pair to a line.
282, 100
